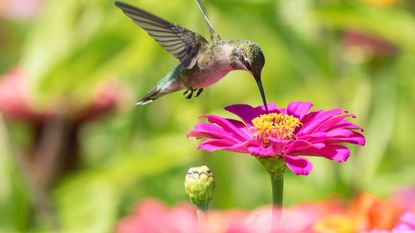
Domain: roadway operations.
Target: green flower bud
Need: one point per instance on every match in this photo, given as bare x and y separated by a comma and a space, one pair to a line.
199, 185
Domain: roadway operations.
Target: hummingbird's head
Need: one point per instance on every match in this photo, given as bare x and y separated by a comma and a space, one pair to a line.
252, 60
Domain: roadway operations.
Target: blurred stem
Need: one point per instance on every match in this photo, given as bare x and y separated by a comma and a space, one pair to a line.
37, 191
203, 206
202, 209
53, 152
201, 213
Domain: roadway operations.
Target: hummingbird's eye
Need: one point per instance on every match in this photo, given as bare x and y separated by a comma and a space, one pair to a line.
246, 63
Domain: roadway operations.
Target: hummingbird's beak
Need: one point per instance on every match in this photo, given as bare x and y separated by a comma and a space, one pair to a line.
261, 90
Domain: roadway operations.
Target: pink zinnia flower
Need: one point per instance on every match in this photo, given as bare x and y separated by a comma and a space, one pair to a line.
289, 132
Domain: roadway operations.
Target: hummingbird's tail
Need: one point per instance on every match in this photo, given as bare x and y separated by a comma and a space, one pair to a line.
150, 97
163, 87
168, 84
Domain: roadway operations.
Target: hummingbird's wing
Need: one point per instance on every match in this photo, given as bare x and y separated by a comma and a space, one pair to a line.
213, 34
181, 42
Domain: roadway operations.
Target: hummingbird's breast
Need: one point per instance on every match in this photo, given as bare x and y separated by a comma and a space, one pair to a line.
212, 65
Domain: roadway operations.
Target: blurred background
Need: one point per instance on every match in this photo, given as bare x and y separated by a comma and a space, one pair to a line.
76, 154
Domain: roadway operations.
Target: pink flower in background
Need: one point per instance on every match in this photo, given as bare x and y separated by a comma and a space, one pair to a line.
20, 9
289, 132
365, 213
406, 198
370, 46
14, 98
406, 225
16, 104
152, 216
55, 124
296, 219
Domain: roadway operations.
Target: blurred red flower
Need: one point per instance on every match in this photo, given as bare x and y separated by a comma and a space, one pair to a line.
14, 98
15, 101
54, 126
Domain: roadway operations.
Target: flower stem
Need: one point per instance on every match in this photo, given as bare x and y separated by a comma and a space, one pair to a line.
277, 183
276, 168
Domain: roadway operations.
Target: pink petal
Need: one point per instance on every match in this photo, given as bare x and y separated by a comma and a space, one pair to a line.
219, 144
271, 108
345, 135
243, 146
313, 138
347, 125
214, 144
240, 125
298, 165
339, 132
261, 151
357, 139
298, 145
247, 113
278, 145
337, 153
244, 111
313, 120
207, 130
328, 124
298, 109
227, 126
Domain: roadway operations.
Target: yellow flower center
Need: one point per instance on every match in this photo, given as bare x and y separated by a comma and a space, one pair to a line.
275, 125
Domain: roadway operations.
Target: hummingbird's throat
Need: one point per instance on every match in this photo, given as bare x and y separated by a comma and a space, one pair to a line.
275, 125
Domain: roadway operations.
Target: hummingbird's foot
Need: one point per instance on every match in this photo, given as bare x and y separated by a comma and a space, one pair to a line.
189, 93
199, 91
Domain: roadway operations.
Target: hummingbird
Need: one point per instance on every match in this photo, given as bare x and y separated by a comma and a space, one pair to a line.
202, 62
